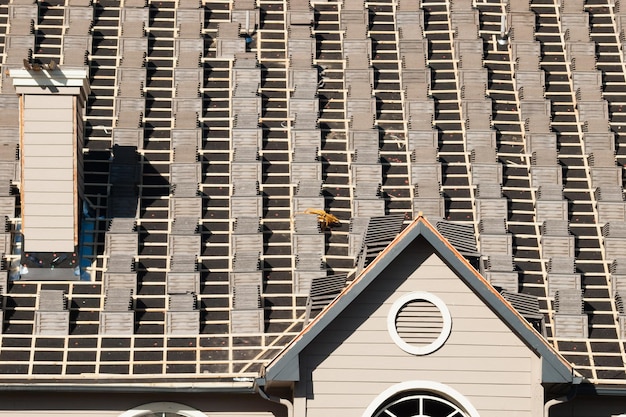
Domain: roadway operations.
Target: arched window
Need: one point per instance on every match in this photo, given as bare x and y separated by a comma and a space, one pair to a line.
163, 409
420, 398
162, 414
419, 404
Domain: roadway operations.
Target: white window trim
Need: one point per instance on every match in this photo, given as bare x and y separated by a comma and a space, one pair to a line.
437, 343
435, 388
163, 407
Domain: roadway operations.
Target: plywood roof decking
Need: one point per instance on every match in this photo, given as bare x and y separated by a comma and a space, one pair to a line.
521, 122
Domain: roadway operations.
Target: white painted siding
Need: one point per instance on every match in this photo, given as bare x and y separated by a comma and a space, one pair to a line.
49, 185
354, 359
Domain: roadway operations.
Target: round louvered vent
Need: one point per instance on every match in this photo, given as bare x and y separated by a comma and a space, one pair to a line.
419, 323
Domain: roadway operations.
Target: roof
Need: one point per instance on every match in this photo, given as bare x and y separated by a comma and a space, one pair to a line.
555, 369
191, 127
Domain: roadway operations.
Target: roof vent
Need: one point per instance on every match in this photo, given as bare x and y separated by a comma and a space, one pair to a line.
419, 323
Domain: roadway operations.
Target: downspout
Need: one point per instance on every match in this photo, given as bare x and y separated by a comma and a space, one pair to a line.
555, 401
275, 399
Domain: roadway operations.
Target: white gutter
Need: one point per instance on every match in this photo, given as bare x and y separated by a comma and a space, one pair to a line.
184, 386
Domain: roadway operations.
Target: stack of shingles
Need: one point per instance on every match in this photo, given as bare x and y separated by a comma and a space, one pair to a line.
606, 176
245, 108
557, 244
234, 37
185, 209
120, 272
366, 173
52, 316
246, 278
304, 79
599, 141
246, 14
247, 314
581, 53
184, 241
120, 277
77, 39
121, 239
19, 40
546, 175
486, 171
552, 211
570, 320
306, 170
365, 169
491, 211
618, 283
308, 248
247, 244
187, 104
182, 316
228, 42
420, 111
472, 75
308, 241
530, 79
131, 76
374, 235
614, 234
117, 316
620, 18
189, 44
245, 104
246, 137
185, 204
496, 247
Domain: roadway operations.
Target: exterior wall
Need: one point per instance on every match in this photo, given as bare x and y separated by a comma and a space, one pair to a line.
354, 359
49, 182
37, 404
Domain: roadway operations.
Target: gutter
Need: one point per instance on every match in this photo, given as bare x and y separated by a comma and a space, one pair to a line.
613, 391
283, 401
241, 387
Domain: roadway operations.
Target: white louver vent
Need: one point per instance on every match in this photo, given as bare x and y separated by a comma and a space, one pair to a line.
419, 323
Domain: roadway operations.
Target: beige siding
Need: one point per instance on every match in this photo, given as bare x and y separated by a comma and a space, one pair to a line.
49, 185
354, 359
